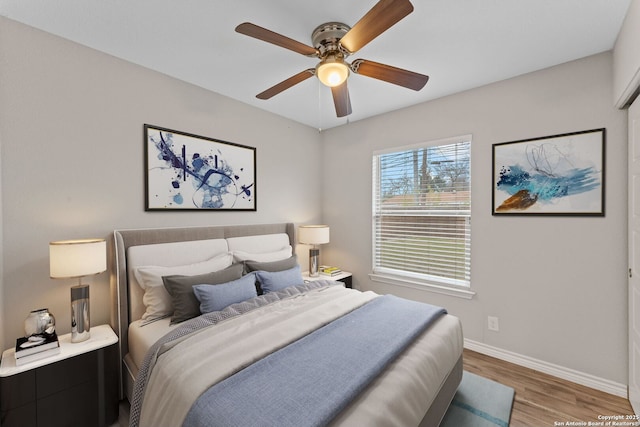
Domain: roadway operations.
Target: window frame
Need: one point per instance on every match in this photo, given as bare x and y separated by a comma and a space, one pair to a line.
442, 285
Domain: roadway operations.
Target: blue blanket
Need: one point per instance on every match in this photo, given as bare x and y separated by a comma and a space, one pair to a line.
312, 380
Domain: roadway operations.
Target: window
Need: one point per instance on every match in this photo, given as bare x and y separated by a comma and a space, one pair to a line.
422, 215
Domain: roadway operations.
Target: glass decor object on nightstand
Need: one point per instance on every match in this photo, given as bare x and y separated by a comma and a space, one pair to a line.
77, 259
40, 339
39, 321
313, 235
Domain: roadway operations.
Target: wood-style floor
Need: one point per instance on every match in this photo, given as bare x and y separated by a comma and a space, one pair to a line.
543, 400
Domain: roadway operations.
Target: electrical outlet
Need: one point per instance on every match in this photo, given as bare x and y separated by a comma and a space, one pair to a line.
493, 324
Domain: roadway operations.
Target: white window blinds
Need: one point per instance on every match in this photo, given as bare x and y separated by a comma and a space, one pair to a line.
422, 212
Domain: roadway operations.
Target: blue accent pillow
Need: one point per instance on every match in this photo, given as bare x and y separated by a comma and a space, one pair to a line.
272, 281
217, 297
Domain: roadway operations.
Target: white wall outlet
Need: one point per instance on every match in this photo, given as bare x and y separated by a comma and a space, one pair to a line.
493, 324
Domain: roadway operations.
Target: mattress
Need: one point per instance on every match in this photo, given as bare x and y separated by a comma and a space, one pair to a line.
142, 336
400, 395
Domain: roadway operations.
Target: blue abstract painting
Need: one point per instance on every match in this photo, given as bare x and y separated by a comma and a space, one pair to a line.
560, 174
192, 172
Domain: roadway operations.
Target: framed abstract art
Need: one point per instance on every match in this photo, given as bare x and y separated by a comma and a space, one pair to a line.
191, 172
552, 175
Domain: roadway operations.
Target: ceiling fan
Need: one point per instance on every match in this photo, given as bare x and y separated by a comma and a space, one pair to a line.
333, 42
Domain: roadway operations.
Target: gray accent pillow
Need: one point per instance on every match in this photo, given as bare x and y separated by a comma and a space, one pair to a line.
185, 304
281, 265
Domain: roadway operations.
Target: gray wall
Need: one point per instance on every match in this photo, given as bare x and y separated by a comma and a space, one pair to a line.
558, 285
71, 129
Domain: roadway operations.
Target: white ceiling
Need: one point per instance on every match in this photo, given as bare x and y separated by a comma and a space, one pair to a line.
460, 44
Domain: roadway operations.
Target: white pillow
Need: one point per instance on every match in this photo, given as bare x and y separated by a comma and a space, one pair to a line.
278, 255
156, 299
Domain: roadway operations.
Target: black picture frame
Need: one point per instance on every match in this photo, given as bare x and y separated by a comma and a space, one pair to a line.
190, 172
558, 175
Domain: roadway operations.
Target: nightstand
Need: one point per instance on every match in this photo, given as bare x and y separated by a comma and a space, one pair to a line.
77, 387
344, 277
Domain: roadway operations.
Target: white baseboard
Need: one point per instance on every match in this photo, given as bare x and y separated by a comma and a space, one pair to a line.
572, 375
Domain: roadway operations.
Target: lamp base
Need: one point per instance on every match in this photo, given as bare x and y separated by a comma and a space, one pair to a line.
314, 259
80, 323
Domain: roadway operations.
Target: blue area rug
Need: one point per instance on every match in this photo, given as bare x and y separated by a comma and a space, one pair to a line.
479, 402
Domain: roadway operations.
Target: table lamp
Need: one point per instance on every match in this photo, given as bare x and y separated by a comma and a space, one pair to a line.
78, 258
313, 235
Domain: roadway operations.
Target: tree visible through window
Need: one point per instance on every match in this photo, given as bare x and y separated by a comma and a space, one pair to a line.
422, 212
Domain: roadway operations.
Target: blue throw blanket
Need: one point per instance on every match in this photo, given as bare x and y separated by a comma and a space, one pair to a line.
312, 380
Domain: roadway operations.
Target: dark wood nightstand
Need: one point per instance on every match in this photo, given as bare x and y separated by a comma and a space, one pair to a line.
78, 387
344, 277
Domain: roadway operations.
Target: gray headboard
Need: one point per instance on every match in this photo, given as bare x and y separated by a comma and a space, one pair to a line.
123, 239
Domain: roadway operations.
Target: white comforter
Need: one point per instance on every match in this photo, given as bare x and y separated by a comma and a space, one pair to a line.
399, 397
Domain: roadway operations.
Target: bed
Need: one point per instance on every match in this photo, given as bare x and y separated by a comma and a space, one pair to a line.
162, 345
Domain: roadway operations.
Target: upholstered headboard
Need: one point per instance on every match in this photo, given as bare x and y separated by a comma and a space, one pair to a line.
127, 294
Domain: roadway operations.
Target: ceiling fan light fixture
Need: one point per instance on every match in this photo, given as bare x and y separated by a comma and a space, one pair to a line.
332, 71
333, 43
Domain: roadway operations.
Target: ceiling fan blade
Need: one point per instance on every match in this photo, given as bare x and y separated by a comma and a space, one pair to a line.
389, 74
380, 18
341, 100
286, 84
252, 30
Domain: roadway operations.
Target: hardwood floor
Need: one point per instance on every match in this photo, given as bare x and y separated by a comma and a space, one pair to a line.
543, 400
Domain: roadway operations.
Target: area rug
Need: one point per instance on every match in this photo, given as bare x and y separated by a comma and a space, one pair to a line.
479, 402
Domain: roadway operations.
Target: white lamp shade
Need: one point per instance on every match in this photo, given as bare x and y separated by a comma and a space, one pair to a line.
77, 258
332, 72
313, 234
